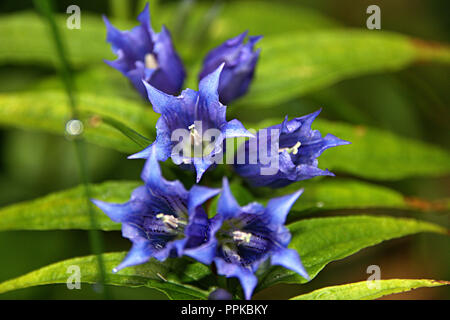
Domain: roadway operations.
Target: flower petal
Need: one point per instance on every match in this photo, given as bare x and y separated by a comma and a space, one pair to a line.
160, 101
289, 259
151, 175
198, 195
117, 212
235, 128
278, 208
209, 85
246, 277
139, 253
227, 206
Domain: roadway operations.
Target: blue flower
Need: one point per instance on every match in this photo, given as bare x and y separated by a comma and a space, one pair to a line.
240, 60
186, 122
244, 237
295, 155
144, 54
158, 219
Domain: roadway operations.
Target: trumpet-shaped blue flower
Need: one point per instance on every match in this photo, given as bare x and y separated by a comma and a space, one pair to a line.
240, 60
186, 122
144, 54
158, 219
296, 153
244, 237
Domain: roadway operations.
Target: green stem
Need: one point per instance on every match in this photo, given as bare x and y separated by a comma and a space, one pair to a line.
96, 243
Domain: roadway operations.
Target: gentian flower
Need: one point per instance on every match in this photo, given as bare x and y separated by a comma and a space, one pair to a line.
244, 237
240, 61
298, 148
157, 218
194, 114
144, 54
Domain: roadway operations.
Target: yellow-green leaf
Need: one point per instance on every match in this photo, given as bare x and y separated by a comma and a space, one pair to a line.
49, 111
365, 290
320, 241
296, 63
66, 209
177, 278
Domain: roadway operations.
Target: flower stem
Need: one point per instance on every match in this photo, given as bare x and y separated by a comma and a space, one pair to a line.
45, 8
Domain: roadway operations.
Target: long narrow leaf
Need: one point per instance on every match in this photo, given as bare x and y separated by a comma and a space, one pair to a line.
177, 278
368, 291
320, 241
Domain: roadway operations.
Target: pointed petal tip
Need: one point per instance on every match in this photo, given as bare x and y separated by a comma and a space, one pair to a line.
299, 192
96, 202
138, 155
220, 68
225, 183
106, 20
159, 99
145, 13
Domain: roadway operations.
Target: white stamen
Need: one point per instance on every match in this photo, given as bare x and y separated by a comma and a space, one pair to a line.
169, 220
242, 236
195, 135
150, 61
293, 149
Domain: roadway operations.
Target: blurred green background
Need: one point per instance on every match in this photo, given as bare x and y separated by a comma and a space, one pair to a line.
412, 102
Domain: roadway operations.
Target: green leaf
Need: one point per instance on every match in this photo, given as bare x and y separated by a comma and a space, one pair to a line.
66, 209
177, 278
88, 45
377, 154
258, 17
333, 194
381, 155
297, 63
361, 290
84, 46
48, 111
320, 241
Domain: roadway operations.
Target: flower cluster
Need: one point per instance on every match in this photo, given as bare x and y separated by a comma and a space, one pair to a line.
164, 220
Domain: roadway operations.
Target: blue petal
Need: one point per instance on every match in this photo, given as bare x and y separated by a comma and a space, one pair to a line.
139, 253
162, 148
209, 85
227, 206
278, 208
198, 195
289, 259
144, 16
160, 101
169, 63
133, 232
151, 175
117, 212
235, 128
143, 154
246, 277
204, 253
201, 165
